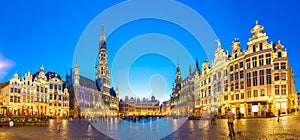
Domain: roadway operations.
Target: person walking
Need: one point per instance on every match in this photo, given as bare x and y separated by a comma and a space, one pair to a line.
238, 120
230, 118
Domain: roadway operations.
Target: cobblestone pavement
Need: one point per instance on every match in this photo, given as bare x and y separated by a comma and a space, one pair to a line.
252, 129
75, 130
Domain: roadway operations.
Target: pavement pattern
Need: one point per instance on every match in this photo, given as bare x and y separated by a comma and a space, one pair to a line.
251, 129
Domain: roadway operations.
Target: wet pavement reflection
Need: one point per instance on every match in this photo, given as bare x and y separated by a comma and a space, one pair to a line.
252, 128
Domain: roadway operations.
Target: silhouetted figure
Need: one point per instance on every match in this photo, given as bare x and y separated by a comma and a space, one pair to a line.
230, 119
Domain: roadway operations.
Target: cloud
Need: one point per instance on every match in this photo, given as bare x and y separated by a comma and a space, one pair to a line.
5, 66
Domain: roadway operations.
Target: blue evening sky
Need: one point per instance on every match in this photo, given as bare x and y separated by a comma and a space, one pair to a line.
35, 33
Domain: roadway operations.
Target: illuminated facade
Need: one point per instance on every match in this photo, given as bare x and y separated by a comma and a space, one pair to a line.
30, 96
166, 108
58, 97
138, 107
258, 80
176, 89
93, 97
188, 93
213, 82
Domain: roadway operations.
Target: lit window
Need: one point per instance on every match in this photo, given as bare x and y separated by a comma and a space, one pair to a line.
283, 76
237, 96
249, 94
262, 92
276, 89
242, 96
255, 92
283, 89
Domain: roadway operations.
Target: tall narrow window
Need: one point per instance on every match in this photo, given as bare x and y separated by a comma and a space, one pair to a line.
225, 85
241, 64
283, 76
268, 58
225, 98
255, 92
236, 66
254, 48
260, 46
276, 89
262, 92
279, 54
219, 75
269, 79
241, 74
283, 89
249, 94
276, 76
237, 96
261, 77
236, 75
242, 85
248, 63
261, 60
236, 85
255, 78
254, 62
248, 79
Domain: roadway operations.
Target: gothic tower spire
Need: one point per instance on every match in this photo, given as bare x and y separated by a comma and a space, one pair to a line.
102, 42
102, 37
102, 68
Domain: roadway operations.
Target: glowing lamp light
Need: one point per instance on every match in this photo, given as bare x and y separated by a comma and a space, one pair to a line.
242, 110
254, 108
